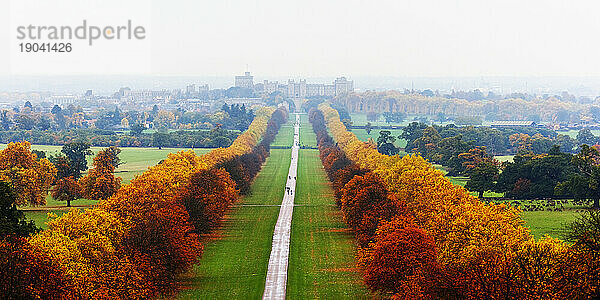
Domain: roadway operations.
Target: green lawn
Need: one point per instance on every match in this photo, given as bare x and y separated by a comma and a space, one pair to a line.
503, 158
285, 137
307, 135
322, 251
573, 132
548, 222
235, 259
41, 217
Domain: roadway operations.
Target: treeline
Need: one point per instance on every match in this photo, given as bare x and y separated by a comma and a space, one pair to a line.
429, 140
214, 138
29, 117
421, 237
136, 243
548, 109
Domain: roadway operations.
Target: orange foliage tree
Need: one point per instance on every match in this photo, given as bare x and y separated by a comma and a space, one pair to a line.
30, 274
139, 239
87, 245
30, 178
100, 182
66, 189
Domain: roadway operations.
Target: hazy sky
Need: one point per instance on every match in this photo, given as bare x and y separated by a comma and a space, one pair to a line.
316, 38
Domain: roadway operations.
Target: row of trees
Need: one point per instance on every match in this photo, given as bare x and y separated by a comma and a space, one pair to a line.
213, 138
420, 236
28, 117
136, 243
434, 141
548, 109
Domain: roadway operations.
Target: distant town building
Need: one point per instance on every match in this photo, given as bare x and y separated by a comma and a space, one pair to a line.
342, 85
190, 88
513, 124
63, 99
245, 81
295, 89
203, 88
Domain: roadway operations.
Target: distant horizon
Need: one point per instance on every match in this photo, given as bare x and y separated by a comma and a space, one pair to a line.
107, 84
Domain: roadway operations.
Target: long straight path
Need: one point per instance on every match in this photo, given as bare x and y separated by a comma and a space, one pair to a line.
275, 284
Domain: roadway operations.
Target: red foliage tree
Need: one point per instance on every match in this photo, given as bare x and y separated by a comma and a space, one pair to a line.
158, 239
365, 203
206, 198
30, 274
342, 177
401, 260
66, 189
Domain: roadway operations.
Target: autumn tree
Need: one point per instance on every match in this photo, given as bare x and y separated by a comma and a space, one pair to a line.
401, 260
157, 238
66, 189
365, 203
342, 177
584, 234
206, 197
100, 182
93, 256
538, 270
30, 274
474, 157
30, 178
238, 173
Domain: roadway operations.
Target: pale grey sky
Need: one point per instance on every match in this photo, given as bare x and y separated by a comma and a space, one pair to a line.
317, 37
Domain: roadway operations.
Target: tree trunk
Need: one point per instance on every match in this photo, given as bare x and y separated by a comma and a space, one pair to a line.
480, 194
68, 203
597, 203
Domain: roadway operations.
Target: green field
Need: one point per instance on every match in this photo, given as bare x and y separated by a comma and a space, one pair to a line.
285, 137
322, 251
307, 135
235, 259
322, 264
573, 132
